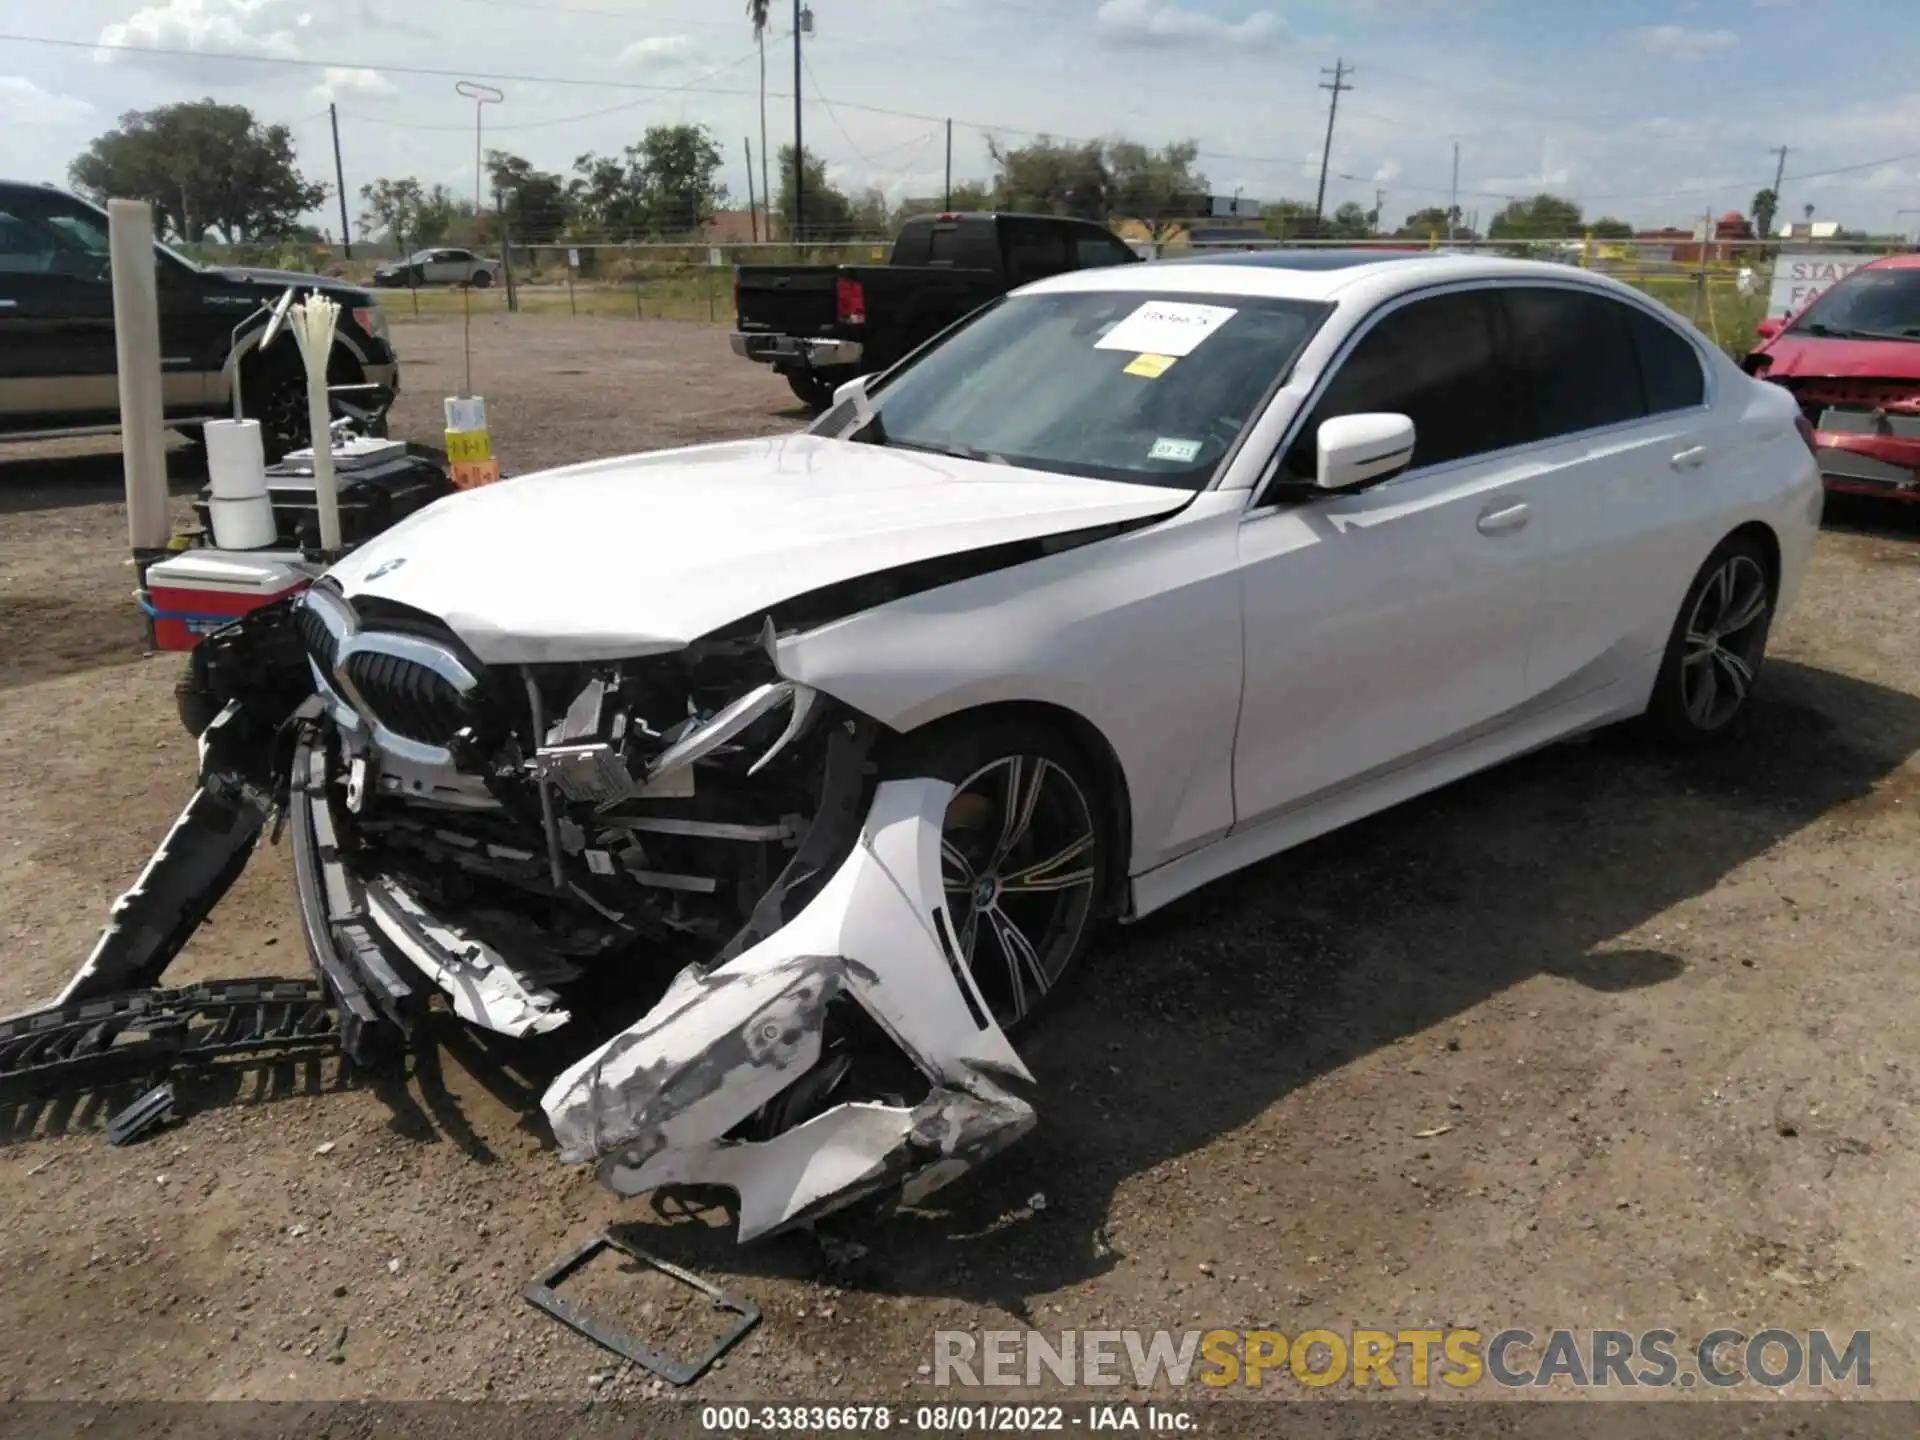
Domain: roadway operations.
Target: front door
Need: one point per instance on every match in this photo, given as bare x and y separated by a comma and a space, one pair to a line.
1389, 623
56, 322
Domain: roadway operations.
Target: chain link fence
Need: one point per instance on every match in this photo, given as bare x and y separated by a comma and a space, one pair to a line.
1724, 286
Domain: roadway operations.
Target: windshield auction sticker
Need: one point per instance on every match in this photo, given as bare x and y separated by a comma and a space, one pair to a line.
1166, 327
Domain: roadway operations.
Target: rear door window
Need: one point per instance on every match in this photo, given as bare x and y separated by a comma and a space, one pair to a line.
1577, 356
1669, 365
1034, 250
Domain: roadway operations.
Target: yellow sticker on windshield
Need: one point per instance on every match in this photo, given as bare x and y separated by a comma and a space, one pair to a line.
1149, 367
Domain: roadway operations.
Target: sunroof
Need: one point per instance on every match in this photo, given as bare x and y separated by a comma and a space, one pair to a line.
1301, 259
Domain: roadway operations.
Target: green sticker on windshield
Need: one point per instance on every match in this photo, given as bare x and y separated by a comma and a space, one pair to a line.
1169, 449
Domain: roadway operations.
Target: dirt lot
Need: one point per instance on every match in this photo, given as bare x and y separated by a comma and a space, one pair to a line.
1656, 1014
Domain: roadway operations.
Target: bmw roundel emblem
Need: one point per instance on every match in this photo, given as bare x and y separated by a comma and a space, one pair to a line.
386, 567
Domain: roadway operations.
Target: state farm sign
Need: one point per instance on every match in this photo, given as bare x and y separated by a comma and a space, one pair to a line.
1798, 279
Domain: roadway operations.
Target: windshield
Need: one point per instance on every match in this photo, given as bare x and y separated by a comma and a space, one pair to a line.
1868, 305
1120, 385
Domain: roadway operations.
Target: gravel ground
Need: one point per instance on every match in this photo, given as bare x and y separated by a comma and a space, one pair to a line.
1605, 1037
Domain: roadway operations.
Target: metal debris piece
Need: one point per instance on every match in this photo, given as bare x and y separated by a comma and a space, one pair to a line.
544, 1292
1430, 1134
149, 1112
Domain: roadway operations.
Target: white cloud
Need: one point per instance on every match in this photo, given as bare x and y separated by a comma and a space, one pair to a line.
1681, 42
24, 103
1155, 22
1386, 172
354, 84
204, 27
658, 50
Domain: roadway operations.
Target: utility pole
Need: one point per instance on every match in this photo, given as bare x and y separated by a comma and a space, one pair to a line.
1453, 196
1339, 72
799, 149
1379, 203
1779, 174
753, 210
948, 205
340, 181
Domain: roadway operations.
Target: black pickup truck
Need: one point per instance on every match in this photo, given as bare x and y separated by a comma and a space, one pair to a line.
58, 364
821, 325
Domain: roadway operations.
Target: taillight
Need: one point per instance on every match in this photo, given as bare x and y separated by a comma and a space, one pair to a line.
850, 301
1805, 427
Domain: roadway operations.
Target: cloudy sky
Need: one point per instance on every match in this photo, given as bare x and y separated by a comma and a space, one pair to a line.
1654, 110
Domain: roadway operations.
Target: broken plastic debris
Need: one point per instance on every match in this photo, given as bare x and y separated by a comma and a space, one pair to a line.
1429, 1134
1036, 1201
326, 1148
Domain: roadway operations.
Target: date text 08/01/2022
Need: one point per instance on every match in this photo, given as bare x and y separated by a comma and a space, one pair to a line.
965, 1419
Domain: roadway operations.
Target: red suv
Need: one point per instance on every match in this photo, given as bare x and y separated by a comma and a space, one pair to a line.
1852, 360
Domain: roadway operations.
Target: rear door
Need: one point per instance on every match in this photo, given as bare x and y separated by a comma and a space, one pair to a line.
1617, 408
56, 319
1388, 624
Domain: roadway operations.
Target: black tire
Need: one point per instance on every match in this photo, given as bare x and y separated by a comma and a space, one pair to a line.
273, 390
481, 279
1020, 941
1719, 640
812, 388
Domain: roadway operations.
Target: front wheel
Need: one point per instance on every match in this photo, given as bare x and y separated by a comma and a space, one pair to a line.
482, 279
1718, 642
1024, 854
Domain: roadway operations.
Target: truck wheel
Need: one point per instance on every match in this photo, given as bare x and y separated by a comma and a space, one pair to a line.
815, 387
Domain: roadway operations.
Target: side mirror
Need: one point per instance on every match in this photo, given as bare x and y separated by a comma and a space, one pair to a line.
855, 386
1770, 327
1360, 449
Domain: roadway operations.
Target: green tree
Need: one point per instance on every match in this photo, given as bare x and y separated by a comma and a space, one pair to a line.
533, 202
967, 195
872, 215
1766, 205
1054, 179
203, 166
1155, 187
1607, 227
829, 213
1433, 221
1290, 220
1544, 217
391, 208
678, 167
607, 197
1350, 222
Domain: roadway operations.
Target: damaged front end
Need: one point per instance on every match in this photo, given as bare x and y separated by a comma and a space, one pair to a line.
545, 845
1866, 431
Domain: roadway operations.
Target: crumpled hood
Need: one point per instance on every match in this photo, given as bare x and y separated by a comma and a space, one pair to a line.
1792, 356
646, 553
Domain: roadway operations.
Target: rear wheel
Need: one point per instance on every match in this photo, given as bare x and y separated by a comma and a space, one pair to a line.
1718, 642
482, 279
1024, 855
813, 389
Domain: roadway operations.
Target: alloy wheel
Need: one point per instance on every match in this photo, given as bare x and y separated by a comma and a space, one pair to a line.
1724, 638
1018, 853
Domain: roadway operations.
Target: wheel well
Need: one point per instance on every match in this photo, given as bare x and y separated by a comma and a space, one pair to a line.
1115, 802
1762, 534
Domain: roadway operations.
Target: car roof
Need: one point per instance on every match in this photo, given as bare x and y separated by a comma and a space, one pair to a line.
1894, 262
1360, 277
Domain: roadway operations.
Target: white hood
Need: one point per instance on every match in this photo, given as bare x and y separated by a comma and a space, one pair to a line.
649, 552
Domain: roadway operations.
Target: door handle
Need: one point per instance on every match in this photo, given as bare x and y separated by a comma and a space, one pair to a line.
1690, 459
1503, 521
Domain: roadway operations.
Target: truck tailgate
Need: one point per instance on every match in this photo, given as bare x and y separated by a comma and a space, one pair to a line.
786, 299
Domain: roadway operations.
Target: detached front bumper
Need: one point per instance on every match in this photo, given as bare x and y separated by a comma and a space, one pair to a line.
788, 352
1869, 464
656, 1104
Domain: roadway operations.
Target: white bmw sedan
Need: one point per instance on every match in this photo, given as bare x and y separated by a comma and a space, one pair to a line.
1130, 579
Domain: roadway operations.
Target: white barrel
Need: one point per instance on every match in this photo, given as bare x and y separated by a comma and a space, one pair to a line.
236, 459
243, 524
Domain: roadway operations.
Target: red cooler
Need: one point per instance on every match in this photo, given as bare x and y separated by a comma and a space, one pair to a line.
198, 591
